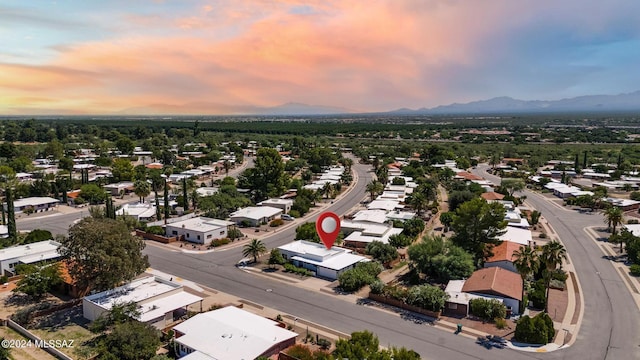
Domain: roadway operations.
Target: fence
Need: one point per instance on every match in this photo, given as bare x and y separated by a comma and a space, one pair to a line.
399, 304
51, 350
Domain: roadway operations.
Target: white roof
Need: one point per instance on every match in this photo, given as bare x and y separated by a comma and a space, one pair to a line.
276, 201
141, 211
120, 185
516, 235
207, 191
143, 289
366, 227
156, 308
633, 229
47, 249
374, 216
202, 224
231, 334
456, 296
567, 189
330, 177
621, 202
34, 201
384, 205
256, 212
401, 215
360, 236
553, 185
337, 262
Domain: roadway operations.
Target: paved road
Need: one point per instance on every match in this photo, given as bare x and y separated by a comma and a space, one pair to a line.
610, 328
217, 271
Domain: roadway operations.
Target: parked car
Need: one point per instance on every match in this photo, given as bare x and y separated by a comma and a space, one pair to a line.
286, 217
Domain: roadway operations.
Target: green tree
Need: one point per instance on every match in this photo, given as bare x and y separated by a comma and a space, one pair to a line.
364, 273
478, 224
142, 189
511, 185
613, 217
254, 249
553, 253
276, 258
374, 188
428, 297
459, 197
122, 170
118, 314
37, 235
526, 262
413, 227
446, 218
307, 231
381, 252
125, 145
93, 193
102, 254
38, 281
267, 178
418, 202
130, 340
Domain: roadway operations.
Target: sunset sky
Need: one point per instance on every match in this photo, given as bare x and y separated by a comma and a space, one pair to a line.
105, 57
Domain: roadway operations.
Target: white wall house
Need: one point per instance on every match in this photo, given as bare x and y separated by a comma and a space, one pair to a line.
116, 189
230, 334
325, 263
284, 204
38, 204
255, 215
27, 254
140, 212
159, 301
199, 230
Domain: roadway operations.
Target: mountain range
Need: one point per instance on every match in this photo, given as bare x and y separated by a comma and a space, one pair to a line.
497, 105
504, 104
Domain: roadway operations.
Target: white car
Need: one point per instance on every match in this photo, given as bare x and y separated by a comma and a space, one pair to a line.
286, 217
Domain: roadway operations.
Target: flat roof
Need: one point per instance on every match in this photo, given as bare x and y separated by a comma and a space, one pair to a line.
337, 262
277, 201
136, 291
156, 308
516, 235
384, 205
257, 212
374, 216
203, 224
231, 334
48, 248
34, 201
138, 210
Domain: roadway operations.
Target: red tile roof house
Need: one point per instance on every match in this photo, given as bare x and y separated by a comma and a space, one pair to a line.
463, 175
503, 256
498, 283
489, 196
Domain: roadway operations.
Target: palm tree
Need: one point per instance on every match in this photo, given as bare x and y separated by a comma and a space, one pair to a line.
327, 190
142, 189
255, 248
418, 201
374, 187
346, 162
613, 217
526, 262
227, 165
552, 255
383, 174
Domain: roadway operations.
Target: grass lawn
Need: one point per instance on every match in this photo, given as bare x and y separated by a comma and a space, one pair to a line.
26, 353
67, 325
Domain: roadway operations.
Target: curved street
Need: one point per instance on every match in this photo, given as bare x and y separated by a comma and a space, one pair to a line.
610, 326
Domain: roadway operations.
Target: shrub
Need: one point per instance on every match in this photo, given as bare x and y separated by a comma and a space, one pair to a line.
537, 330
635, 270
399, 240
297, 270
377, 286
294, 213
245, 223
3, 279
542, 236
427, 297
364, 273
276, 222
276, 258
324, 343
538, 295
382, 252
155, 230
488, 309
219, 242
37, 235
500, 323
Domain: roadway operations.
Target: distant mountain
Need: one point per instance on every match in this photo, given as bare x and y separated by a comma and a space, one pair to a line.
504, 104
205, 108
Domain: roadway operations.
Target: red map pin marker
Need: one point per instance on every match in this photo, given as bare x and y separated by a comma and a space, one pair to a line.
328, 227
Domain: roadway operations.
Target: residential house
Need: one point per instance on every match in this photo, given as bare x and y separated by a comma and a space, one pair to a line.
284, 204
503, 255
160, 301
457, 303
199, 230
27, 254
117, 189
139, 211
497, 283
34, 204
325, 263
255, 215
230, 334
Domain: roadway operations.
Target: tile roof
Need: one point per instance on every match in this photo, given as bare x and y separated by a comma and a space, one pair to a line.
504, 251
492, 196
495, 281
469, 176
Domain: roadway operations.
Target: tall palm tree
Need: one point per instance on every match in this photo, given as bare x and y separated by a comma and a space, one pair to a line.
347, 163
382, 174
255, 248
526, 262
227, 165
327, 190
553, 253
142, 189
373, 188
418, 201
613, 217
